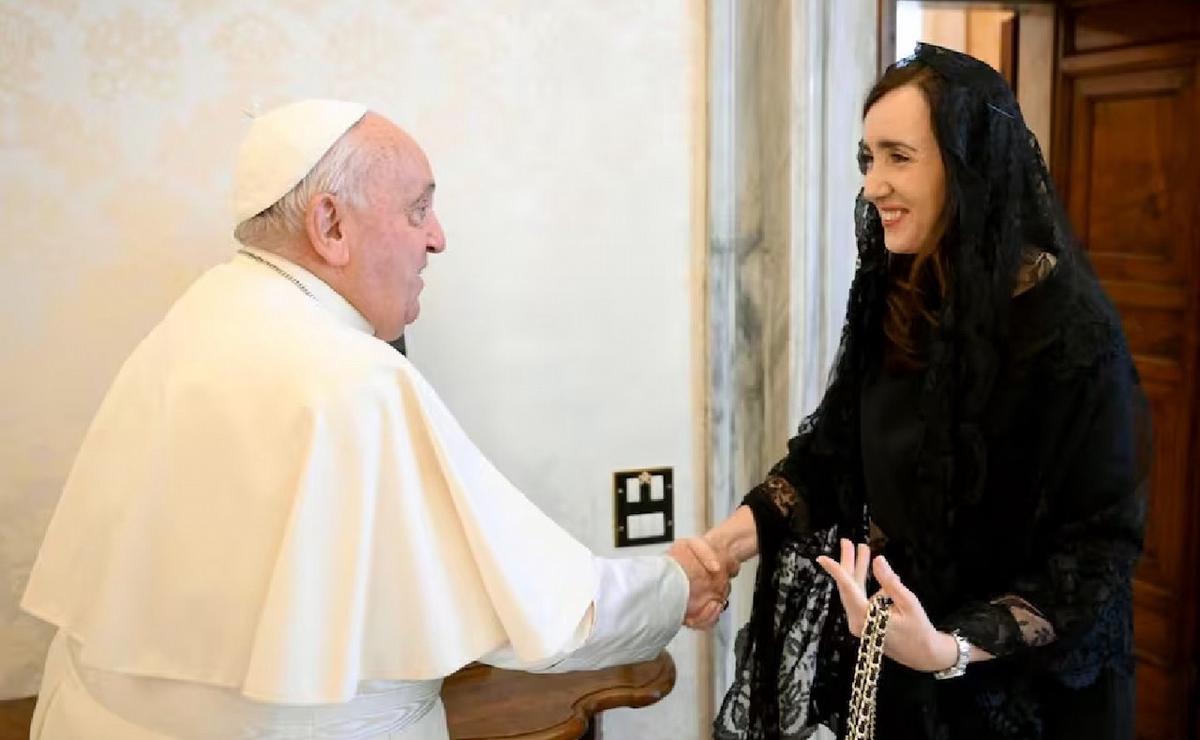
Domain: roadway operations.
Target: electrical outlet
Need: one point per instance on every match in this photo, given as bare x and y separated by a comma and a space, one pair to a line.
643, 506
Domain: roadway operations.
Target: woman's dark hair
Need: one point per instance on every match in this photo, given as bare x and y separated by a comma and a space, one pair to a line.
918, 282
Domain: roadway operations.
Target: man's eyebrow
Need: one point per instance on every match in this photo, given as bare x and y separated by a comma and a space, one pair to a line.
426, 193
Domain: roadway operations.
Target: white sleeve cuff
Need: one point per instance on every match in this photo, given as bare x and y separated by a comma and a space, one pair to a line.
639, 606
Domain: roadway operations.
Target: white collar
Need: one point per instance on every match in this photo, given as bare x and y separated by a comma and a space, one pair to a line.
342, 310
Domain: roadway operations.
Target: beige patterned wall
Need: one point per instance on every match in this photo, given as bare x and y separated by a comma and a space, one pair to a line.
569, 145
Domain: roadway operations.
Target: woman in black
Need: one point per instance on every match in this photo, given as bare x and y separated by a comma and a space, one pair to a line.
983, 440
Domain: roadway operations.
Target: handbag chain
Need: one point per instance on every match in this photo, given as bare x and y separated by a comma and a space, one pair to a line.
861, 722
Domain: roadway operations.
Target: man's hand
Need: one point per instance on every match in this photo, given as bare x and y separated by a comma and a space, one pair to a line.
708, 575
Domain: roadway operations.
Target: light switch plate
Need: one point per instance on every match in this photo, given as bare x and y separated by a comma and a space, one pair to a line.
640, 518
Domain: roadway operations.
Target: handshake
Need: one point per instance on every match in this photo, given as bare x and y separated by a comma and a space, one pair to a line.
709, 567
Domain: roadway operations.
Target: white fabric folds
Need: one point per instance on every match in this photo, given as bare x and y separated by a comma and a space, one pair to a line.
270, 499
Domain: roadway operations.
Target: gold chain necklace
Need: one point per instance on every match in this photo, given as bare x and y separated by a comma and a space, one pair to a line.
861, 722
279, 270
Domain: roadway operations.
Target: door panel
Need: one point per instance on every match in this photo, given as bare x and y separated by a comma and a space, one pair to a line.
1127, 155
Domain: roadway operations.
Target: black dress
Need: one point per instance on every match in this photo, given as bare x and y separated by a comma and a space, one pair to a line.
1037, 572
1039, 429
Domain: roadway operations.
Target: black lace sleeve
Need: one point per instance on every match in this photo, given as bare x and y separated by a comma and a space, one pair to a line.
1076, 592
777, 506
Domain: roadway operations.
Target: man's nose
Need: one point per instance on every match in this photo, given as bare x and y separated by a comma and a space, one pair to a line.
436, 237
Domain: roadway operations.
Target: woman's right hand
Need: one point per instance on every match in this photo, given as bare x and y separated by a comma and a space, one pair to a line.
736, 537
721, 550
731, 543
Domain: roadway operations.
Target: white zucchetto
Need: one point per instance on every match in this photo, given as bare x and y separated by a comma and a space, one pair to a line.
282, 146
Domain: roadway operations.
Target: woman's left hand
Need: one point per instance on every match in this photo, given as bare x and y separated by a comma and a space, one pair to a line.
911, 639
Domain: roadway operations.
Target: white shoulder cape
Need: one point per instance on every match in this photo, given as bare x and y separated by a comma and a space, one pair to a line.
271, 499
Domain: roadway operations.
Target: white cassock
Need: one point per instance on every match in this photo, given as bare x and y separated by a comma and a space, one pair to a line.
275, 529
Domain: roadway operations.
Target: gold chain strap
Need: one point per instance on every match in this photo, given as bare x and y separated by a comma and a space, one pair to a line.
861, 722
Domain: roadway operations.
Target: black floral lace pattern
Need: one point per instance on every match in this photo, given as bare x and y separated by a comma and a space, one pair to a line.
803, 589
781, 493
1036, 630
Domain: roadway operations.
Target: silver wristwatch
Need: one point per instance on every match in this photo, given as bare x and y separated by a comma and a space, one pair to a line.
960, 665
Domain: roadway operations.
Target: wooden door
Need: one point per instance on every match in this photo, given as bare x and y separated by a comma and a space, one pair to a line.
1127, 161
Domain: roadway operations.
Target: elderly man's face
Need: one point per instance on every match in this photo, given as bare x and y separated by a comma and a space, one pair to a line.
394, 231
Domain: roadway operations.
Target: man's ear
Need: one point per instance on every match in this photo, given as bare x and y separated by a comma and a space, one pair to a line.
324, 222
